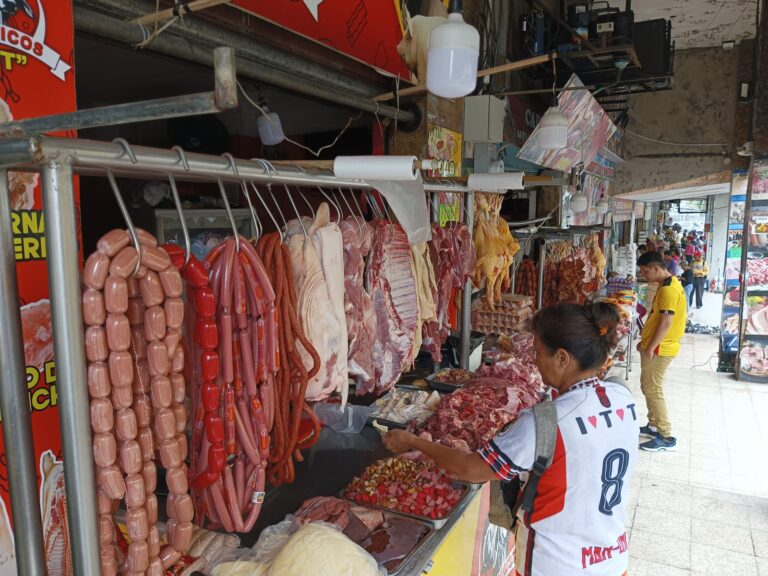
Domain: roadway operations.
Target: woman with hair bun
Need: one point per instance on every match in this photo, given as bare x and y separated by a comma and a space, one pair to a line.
577, 522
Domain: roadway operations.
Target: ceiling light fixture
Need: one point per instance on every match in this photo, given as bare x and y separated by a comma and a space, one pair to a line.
552, 131
454, 50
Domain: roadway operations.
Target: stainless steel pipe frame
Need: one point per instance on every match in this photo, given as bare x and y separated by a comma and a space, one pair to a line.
69, 353
58, 159
14, 404
91, 157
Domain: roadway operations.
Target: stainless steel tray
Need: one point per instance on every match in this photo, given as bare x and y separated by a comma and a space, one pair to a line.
444, 387
408, 557
436, 523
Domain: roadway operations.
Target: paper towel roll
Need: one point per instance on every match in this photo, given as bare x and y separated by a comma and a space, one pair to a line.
376, 167
506, 181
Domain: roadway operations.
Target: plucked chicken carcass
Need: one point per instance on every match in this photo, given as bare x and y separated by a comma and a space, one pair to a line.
495, 246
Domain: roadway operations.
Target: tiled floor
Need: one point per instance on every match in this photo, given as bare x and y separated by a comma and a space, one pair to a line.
703, 509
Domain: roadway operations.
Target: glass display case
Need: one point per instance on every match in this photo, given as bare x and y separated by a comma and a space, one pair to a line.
207, 227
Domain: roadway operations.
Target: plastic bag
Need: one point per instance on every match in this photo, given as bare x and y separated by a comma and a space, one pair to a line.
408, 202
288, 549
322, 549
349, 421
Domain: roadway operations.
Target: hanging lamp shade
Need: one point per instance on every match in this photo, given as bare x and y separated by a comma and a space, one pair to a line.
552, 130
270, 128
454, 49
602, 207
579, 202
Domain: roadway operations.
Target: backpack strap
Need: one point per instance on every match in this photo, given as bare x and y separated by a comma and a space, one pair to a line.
617, 380
545, 417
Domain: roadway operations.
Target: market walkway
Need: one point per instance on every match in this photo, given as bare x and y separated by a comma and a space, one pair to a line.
703, 510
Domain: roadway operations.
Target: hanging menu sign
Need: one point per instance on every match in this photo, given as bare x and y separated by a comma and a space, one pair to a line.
36, 79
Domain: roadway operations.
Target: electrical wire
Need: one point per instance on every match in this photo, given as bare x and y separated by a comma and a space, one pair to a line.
315, 153
690, 144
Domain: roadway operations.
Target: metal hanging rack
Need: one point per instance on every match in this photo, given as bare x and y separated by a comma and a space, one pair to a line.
58, 160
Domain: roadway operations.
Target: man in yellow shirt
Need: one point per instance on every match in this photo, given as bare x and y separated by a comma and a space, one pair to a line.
659, 344
700, 273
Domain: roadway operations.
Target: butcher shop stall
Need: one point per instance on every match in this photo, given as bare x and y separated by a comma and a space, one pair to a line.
216, 329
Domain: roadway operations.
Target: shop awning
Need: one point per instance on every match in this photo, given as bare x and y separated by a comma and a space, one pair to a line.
710, 186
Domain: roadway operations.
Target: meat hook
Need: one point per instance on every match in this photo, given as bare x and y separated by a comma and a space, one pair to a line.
351, 212
357, 203
301, 221
126, 217
333, 203
259, 229
177, 201
272, 216
308, 203
229, 213
232, 166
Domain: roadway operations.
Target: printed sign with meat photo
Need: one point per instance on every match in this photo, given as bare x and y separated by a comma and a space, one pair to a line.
36, 79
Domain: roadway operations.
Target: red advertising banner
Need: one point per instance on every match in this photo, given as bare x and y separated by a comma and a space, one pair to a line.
367, 31
36, 79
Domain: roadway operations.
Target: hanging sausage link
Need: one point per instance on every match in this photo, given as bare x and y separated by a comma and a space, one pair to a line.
290, 375
235, 362
137, 393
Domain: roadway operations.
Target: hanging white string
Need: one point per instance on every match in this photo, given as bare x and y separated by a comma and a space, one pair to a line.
315, 153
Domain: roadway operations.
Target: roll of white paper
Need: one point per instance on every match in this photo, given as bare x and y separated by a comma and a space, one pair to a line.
505, 181
376, 167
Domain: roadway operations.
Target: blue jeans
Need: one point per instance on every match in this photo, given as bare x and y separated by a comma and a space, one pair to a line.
689, 294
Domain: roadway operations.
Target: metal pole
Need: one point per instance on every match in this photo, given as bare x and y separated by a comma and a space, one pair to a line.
542, 264
465, 328
14, 402
69, 347
91, 157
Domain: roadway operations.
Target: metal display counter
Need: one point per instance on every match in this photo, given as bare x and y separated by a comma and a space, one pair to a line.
330, 465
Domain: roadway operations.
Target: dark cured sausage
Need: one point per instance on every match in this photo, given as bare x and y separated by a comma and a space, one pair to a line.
290, 377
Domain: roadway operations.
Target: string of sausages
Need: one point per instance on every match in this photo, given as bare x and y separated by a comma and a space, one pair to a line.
291, 377
137, 392
236, 326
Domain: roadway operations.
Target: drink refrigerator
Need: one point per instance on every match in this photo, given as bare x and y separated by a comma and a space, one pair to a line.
207, 227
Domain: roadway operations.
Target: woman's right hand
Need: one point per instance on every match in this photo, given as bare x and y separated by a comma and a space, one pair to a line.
398, 441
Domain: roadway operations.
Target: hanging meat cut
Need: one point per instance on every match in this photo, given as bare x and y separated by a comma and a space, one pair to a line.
315, 258
453, 258
358, 306
426, 289
392, 287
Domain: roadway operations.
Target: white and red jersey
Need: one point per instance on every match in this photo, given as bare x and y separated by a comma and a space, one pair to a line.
577, 525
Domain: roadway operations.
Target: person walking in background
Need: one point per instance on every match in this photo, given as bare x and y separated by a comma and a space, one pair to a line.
689, 251
686, 280
700, 273
660, 343
669, 262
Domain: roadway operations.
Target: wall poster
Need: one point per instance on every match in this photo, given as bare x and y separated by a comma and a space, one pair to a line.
36, 79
